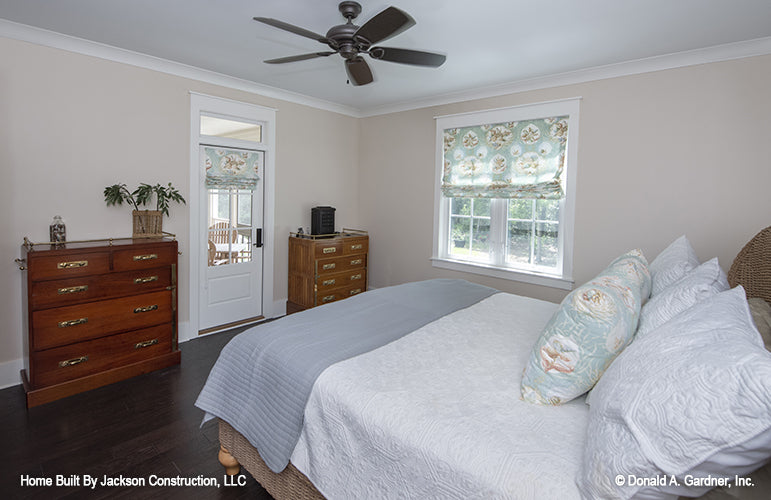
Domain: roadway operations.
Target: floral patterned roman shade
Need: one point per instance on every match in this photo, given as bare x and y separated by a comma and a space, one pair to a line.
232, 168
522, 159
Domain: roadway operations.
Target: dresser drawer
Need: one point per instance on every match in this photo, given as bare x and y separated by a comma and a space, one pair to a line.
353, 246
340, 264
66, 266
331, 248
65, 325
144, 258
339, 294
56, 293
352, 277
72, 361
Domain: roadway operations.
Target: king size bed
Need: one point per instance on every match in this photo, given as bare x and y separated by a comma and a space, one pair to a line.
447, 389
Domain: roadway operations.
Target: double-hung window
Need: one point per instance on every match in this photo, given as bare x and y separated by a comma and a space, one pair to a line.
505, 193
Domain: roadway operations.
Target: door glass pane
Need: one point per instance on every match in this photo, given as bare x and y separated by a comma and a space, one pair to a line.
233, 129
229, 227
244, 208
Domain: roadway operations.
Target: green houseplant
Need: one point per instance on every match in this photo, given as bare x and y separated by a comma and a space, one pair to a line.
147, 223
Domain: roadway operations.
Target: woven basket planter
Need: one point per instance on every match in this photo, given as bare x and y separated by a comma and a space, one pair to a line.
148, 223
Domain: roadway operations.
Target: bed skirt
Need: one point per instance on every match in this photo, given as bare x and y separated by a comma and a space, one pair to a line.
289, 484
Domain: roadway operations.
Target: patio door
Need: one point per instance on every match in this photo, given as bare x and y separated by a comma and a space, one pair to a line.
231, 236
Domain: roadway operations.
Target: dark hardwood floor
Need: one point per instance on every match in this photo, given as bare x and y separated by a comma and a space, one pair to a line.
136, 428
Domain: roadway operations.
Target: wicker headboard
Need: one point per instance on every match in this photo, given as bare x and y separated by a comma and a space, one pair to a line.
752, 267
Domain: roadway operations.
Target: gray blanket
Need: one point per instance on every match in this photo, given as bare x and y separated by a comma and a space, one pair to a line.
264, 376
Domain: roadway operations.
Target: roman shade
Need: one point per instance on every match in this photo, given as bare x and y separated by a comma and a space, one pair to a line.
232, 168
522, 159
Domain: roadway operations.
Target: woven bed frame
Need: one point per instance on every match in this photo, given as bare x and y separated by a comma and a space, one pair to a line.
751, 269
289, 484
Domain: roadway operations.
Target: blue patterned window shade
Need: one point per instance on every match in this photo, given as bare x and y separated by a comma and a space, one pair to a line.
506, 160
232, 168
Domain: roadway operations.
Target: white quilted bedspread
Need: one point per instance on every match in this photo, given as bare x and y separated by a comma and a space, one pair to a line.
437, 414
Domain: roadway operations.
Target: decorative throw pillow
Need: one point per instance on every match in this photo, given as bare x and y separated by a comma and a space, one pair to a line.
672, 264
592, 325
700, 283
691, 398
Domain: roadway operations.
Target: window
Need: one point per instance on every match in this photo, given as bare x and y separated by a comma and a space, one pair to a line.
506, 191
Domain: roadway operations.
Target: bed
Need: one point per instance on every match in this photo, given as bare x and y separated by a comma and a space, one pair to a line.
437, 408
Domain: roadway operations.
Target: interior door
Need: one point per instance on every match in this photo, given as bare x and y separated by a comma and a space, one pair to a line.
231, 244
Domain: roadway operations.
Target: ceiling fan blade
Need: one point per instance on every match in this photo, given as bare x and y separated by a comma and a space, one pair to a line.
301, 57
292, 29
408, 56
358, 71
388, 23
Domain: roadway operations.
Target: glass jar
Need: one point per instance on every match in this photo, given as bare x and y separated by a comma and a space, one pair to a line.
58, 232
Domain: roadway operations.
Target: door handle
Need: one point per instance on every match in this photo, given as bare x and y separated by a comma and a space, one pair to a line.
258, 237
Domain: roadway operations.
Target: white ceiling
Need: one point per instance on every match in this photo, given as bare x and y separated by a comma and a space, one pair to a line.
488, 43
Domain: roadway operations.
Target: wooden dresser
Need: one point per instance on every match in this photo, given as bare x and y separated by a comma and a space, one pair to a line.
326, 269
96, 313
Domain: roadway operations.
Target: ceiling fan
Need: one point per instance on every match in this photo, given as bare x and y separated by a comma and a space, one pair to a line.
351, 41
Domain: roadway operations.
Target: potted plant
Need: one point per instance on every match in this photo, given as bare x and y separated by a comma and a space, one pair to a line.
147, 223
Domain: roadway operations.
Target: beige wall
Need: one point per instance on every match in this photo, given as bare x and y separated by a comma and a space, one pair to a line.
72, 124
660, 154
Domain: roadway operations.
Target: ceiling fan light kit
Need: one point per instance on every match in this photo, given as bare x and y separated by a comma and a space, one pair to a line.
351, 41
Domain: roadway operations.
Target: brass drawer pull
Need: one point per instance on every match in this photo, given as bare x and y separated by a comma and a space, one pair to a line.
356, 262
355, 277
327, 267
149, 256
146, 279
145, 343
146, 309
357, 247
74, 361
329, 250
72, 322
328, 282
73, 289
72, 264
328, 298
355, 291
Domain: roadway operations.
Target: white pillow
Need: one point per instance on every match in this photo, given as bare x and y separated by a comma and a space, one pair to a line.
672, 264
690, 398
700, 283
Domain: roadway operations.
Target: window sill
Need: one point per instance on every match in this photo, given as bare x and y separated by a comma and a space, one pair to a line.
507, 274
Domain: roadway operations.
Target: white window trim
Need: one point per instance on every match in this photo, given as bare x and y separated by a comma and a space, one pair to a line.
229, 109
570, 107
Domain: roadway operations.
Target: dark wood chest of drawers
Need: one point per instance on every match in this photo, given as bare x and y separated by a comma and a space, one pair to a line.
324, 270
96, 313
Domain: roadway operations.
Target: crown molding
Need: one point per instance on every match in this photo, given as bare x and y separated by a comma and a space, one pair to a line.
717, 53
39, 36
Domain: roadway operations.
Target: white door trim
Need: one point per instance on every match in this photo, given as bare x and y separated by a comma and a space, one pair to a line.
226, 107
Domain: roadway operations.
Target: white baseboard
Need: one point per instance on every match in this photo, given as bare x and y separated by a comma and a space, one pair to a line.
9, 373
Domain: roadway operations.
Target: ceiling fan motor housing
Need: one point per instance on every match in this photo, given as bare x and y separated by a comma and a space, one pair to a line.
350, 10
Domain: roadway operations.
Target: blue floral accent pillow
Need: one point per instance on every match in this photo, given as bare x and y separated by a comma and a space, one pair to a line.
591, 327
